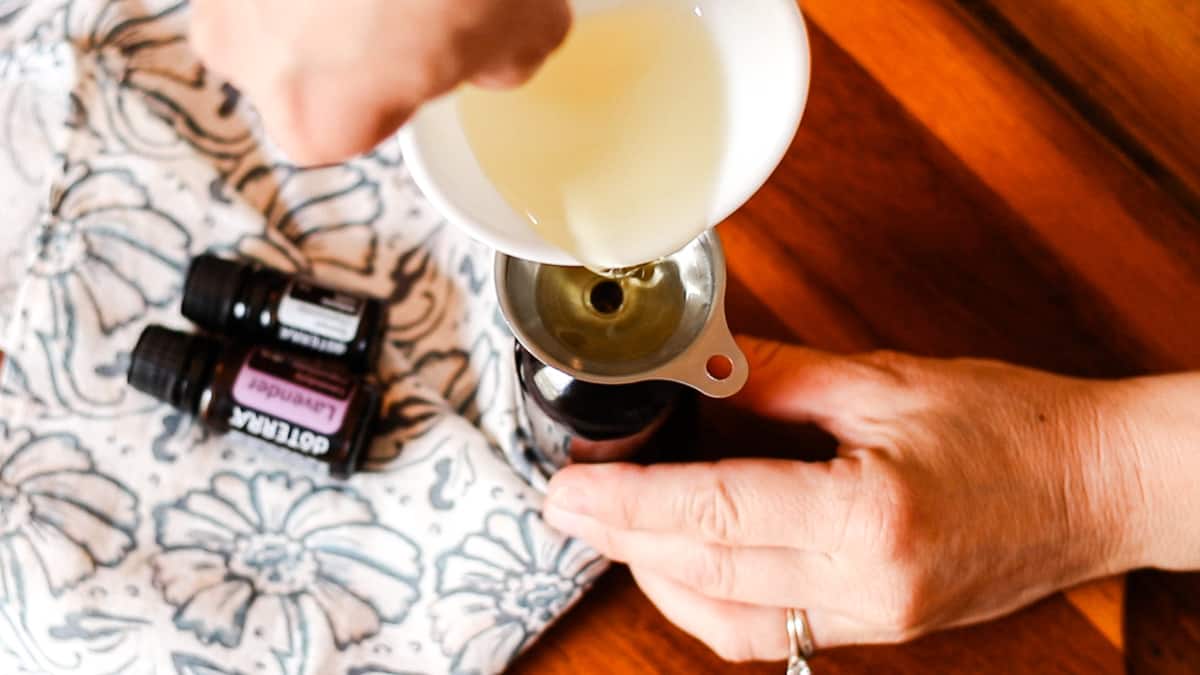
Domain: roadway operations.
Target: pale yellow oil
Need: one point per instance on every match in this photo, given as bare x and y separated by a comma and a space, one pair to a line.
610, 320
612, 150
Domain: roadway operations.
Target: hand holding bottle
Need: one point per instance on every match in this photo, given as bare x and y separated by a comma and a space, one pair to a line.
962, 490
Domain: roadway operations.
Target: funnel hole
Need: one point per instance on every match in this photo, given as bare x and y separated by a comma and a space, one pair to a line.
719, 367
607, 297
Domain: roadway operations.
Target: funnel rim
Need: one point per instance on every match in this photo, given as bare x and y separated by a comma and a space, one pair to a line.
662, 371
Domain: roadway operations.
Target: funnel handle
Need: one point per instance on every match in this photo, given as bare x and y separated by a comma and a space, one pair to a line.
713, 365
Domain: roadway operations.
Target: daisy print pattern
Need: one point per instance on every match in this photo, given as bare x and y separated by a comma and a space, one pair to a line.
315, 221
60, 518
132, 541
502, 586
102, 257
275, 549
146, 93
63, 521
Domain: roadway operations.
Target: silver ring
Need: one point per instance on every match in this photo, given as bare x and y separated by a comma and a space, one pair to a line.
800, 642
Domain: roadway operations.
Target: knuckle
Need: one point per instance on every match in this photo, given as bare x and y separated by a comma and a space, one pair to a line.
712, 572
714, 509
903, 608
611, 546
895, 514
629, 505
895, 532
884, 358
891, 366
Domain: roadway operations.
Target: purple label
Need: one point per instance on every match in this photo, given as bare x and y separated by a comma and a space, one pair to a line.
289, 401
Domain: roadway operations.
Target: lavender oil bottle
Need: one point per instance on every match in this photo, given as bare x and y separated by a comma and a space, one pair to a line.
272, 398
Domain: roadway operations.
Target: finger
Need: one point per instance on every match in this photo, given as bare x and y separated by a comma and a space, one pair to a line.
545, 28
736, 632
734, 502
794, 383
318, 122
740, 632
361, 132
504, 77
209, 33
771, 577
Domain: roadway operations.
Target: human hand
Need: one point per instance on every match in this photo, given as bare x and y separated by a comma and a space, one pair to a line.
332, 79
962, 491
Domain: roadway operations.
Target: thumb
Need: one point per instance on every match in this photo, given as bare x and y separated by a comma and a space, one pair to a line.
798, 384
313, 127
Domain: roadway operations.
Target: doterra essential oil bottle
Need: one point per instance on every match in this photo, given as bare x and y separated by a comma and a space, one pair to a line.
273, 398
248, 301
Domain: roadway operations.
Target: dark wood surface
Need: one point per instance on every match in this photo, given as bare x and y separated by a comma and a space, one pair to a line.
1130, 66
1162, 626
947, 196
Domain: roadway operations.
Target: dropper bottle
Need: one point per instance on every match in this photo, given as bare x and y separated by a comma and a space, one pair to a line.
252, 302
270, 398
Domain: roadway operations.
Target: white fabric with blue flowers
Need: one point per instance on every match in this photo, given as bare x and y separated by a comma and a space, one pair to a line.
132, 541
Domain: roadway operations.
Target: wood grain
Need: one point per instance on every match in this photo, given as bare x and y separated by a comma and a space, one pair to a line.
616, 630
1102, 603
1099, 217
1162, 628
1129, 66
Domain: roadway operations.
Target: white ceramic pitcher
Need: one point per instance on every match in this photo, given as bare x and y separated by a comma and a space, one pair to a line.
765, 51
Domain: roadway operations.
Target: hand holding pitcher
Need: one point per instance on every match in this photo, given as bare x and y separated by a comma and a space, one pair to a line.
332, 80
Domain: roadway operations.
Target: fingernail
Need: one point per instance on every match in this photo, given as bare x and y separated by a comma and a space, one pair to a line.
566, 497
565, 521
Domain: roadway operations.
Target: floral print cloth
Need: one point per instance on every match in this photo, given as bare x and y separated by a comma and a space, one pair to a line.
131, 540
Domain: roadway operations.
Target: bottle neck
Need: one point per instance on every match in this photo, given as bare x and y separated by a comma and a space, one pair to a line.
197, 376
261, 288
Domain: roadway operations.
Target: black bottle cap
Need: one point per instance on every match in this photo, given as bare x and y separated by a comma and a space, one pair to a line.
169, 365
211, 290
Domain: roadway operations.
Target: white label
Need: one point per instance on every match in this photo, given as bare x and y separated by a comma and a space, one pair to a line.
317, 319
317, 344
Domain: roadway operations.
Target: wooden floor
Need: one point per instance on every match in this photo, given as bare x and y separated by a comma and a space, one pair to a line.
1007, 179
